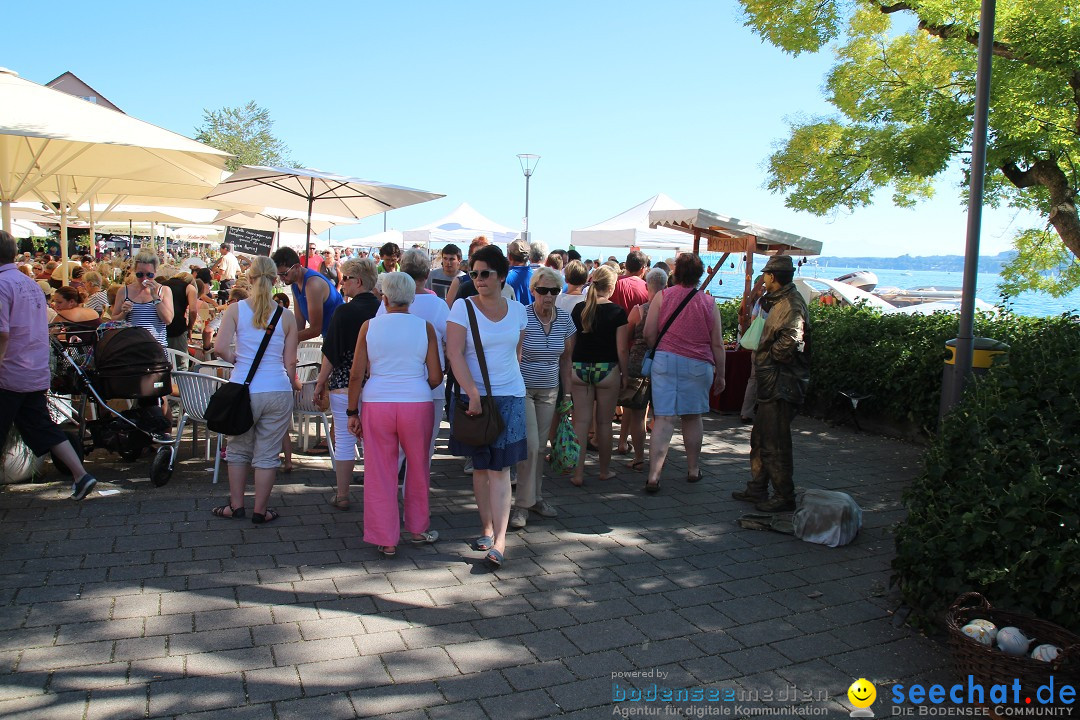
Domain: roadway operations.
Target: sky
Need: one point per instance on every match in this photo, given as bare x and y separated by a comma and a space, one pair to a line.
621, 100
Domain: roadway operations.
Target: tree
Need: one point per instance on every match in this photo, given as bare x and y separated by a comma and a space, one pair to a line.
246, 133
904, 86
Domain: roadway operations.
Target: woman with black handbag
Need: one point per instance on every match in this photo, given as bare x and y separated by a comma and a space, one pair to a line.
487, 417
264, 359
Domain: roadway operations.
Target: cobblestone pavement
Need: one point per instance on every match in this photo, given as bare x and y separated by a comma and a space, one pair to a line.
140, 604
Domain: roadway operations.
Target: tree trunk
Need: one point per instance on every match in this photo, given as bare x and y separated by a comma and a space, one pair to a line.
1062, 211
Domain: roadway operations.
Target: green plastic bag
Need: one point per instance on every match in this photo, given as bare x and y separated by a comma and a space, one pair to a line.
752, 337
565, 448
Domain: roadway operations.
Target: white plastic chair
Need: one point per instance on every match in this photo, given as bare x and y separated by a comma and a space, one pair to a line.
195, 391
311, 344
304, 410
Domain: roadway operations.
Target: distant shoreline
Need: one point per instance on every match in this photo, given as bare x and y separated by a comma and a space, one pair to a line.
942, 263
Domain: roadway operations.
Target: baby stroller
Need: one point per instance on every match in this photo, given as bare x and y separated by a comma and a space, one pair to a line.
119, 362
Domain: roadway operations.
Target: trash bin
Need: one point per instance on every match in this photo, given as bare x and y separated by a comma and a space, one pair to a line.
986, 352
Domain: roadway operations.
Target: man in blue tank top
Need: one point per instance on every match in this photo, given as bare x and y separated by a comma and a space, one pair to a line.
316, 299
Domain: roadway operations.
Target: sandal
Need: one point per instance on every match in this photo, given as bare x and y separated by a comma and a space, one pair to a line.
494, 559
341, 503
424, 538
629, 449
264, 517
483, 543
388, 551
219, 511
694, 478
652, 488
636, 465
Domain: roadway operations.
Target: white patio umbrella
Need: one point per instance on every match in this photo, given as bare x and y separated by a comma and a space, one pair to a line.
58, 147
312, 190
277, 221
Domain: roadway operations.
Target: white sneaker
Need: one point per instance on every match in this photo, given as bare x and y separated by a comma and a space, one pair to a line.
468, 466
518, 518
545, 509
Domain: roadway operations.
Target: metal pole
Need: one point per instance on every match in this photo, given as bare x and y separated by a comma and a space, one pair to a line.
965, 335
527, 176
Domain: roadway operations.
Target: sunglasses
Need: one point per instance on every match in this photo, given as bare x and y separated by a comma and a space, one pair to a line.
141, 275
347, 278
482, 274
546, 291
282, 273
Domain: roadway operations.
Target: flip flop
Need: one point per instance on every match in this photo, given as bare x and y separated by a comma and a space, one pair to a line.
694, 478
426, 538
652, 488
387, 551
636, 465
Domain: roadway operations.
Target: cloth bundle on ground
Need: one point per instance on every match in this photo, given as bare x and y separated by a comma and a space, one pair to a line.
824, 517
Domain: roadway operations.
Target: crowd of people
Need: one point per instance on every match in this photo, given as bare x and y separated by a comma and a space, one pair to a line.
636, 346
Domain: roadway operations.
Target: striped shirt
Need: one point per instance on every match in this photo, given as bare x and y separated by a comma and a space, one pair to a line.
540, 351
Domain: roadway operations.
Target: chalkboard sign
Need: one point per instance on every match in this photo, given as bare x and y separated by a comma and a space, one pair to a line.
251, 242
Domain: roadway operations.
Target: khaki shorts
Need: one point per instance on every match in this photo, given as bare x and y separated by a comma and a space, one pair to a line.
260, 446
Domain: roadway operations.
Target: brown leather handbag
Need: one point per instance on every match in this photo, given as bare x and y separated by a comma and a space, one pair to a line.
485, 428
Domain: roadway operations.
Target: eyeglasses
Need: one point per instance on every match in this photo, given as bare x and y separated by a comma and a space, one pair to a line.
347, 278
282, 274
482, 274
546, 290
141, 275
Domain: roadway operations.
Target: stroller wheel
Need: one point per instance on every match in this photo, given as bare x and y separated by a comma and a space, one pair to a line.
160, 469
76, 442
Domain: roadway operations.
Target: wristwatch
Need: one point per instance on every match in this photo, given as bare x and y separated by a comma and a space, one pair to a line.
351, 413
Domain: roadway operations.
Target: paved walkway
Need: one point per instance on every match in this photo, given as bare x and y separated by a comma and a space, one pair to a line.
140, 604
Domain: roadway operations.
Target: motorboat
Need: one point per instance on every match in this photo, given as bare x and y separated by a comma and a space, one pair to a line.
831, 292
903, 297
862, 279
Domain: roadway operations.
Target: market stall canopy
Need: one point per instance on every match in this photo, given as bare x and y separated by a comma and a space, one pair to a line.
728, 234
375, 241
56, 147
631, 228
460, 227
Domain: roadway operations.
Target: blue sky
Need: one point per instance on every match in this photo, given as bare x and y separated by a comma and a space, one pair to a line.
621, 100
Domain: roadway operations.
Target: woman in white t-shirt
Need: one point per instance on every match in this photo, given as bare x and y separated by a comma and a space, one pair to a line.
501, 324
399, 354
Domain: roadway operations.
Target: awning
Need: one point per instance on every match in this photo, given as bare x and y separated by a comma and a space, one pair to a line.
728, 234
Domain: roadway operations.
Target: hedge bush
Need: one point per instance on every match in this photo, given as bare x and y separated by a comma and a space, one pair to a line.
997, 506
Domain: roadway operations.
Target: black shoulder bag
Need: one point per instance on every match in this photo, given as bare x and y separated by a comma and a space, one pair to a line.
646, 364
485, 428
229, 409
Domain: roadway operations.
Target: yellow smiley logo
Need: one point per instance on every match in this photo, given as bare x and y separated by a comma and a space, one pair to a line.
862, 693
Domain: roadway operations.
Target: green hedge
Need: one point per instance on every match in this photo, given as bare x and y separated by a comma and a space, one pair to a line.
997, 506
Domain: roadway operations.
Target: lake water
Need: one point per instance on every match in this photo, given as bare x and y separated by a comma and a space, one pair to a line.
1029, 303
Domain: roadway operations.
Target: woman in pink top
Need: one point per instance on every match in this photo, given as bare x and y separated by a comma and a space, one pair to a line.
687, 364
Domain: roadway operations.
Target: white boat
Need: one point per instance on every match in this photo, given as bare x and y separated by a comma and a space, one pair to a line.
833, 292
903, 297
862, 279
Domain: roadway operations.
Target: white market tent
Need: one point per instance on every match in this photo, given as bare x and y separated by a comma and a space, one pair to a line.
631, 229
374, 241
459, 227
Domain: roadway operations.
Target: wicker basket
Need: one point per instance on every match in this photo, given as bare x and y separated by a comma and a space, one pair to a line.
990, 666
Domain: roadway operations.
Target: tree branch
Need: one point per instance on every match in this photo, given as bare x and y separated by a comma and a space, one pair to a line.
1063, 213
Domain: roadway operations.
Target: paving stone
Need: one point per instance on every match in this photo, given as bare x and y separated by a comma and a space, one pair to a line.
200, 642
309, 651
520, 706
65, 705
604, 635
538, 675
337, 706
50, 658
274, 683
397, 701
343, 674
476, 685
413, 666
117, 702
173, 697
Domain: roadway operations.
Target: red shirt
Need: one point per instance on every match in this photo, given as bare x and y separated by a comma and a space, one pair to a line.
630, 291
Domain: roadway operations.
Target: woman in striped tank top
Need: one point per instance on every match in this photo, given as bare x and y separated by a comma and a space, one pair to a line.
144, 302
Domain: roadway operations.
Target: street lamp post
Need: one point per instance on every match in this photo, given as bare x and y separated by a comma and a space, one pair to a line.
528, 165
